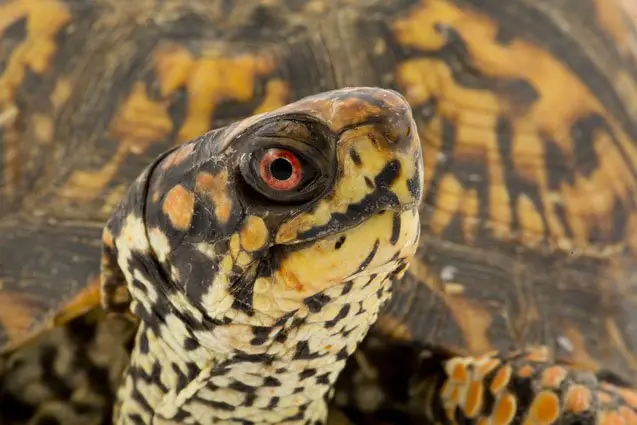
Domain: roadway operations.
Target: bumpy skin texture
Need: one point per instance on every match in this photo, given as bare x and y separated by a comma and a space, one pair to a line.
252, 297
526, 115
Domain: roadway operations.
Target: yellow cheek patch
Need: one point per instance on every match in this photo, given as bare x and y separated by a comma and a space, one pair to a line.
355, 182
179, 206
336, 258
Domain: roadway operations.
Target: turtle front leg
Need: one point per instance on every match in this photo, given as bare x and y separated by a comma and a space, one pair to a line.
526, 388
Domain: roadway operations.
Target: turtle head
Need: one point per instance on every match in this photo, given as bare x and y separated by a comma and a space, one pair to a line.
252, 222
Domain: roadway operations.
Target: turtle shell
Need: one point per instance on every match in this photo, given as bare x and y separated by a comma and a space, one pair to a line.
526, 114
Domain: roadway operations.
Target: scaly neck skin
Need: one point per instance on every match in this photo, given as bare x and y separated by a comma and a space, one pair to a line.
259, 375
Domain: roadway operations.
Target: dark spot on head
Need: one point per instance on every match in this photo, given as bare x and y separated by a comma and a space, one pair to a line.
369, 182
355, 157
388, 174
395, 229
339, 242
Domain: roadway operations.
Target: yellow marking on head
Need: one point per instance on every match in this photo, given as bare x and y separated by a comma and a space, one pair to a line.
215, 187
158, 240
351, 187
578, 399
254, 234
178, 205
321, 265
140, 122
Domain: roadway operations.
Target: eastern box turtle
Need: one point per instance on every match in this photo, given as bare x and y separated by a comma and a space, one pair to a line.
526, 114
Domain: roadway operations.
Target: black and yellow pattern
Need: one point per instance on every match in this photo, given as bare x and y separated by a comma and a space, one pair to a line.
525, 113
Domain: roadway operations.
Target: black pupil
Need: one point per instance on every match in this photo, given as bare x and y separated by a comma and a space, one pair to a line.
281, 169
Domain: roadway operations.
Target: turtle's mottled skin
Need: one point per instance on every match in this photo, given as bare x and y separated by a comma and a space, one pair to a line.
251, 297
526, 116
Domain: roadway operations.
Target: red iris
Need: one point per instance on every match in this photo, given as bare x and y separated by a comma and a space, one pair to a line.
281, 169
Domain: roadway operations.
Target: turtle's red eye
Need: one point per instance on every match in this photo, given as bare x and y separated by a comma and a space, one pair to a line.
281, 169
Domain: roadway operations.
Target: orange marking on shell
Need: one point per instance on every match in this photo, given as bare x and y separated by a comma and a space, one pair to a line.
173, 63
486, 368
628, 395
545, 408
578, 399
87, 299
215, 187
504, 410
178, 205
178, 156
254, 234
473, 401
629, 415
525, 371
553, 376
501, 379
212, 80
609, 418
17, 314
